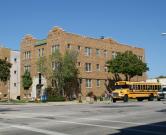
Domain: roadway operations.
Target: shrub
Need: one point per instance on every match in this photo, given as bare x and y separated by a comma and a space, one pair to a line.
56, 98
95, 98
90, 94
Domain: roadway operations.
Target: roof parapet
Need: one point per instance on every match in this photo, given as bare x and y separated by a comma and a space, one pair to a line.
40, 42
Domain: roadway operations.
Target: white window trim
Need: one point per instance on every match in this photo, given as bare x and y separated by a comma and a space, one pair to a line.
99, 53
96, 83
90, 83
90, 66
88, 51
97, 68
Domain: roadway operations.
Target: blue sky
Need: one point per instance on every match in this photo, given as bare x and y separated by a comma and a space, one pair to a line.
134, 22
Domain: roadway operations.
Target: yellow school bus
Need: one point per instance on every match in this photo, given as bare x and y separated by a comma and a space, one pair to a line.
125, 90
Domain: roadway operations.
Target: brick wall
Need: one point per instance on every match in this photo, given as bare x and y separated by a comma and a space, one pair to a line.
59, 37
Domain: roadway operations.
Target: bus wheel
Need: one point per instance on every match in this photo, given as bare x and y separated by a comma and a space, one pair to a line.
158, 99
125, 99
140, 99
151, 97
114, 100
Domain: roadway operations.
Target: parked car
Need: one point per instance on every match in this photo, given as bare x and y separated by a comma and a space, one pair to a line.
161, 94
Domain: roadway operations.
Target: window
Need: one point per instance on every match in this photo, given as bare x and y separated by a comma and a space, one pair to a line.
68, 46
29, 54
15, 71
98, 83
88, 83
140, 57
27, 67
15, 59
105, 68
55, 47
164, 89
42, 51
97, 67
97, 52
114, 54
88, 51
15, 84
88, 67
38, 52
105, 53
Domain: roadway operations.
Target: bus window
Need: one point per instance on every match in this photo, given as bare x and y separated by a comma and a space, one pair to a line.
156, 88
121, 86
139, 87
117, 87
149, 87
144, 87
153, 87
133, 87
130, 87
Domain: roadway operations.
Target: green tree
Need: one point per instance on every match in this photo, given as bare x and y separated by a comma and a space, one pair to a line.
57, 76
4, 70
70, 73
26, 81
161, 76
42, 64
127, 64
60, 72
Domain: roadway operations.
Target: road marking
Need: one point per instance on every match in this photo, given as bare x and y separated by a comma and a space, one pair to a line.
124, 122
86, 124
115, 121
47, 132
111, 127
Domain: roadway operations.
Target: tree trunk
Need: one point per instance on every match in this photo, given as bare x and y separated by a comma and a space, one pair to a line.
130, 78
126, 77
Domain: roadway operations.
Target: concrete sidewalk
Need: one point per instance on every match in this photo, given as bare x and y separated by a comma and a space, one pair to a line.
54, 103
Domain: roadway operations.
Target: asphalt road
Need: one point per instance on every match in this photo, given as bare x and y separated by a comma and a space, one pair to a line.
133, 118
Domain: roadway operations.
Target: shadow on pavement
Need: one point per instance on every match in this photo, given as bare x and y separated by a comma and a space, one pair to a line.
120, 106
150, 129
163, 111
7, 110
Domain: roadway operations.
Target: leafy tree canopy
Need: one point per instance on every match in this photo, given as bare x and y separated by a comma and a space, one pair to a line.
60, 71
70, 70
4, 70
26, 80
161, 76
128, 64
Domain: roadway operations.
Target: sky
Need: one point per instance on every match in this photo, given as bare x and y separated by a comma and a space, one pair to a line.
134, 22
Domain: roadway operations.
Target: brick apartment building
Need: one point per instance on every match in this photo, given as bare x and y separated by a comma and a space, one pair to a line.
12, 88
93, 54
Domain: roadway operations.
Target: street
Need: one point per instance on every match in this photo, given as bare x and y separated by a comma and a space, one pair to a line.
132, 118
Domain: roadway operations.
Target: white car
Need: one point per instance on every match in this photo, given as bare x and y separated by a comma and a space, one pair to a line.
161, 94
